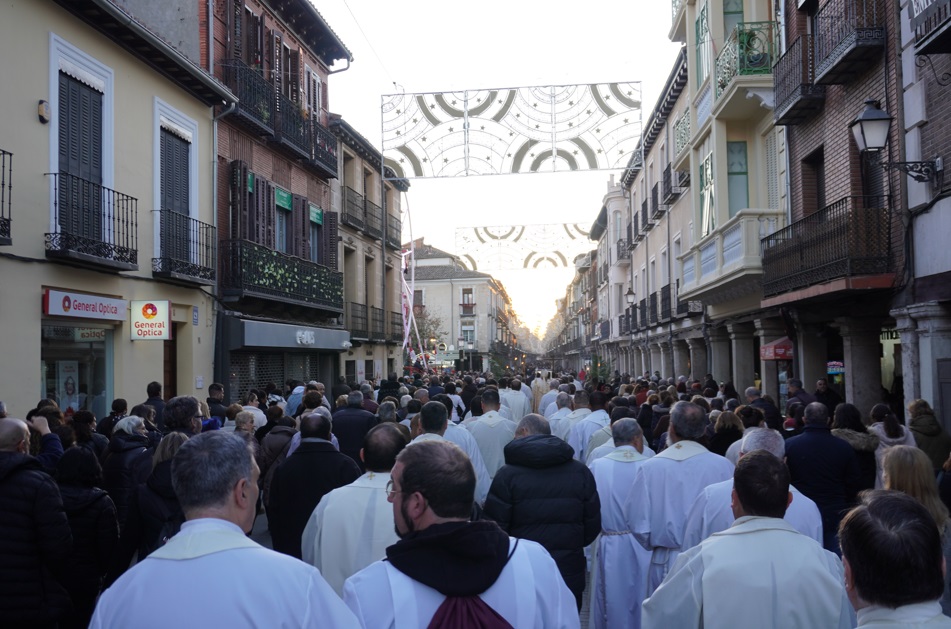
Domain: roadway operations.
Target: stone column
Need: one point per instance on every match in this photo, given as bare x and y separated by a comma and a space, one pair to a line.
769, 330
863, 367
745, 362
681, 358
721, 365
934, 346
907, 329
811, 356
666, 362
698, 358
655, 362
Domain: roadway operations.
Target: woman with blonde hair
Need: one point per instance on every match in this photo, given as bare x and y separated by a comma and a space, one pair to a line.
727, 429
890, 433
930, 436
909, 470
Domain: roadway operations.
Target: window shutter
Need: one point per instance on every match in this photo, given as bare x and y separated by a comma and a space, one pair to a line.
295, 76
276, 68
253, 39
237, 28
239, 201
267, 217
301, 227
329, 246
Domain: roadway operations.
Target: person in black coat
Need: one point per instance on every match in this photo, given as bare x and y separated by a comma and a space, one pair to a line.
351, 425
315, 469
92, 520
84, 425
389, 387
154, 389
127, 463
772, 415
341, 388
35, 539
215, 401
543, 494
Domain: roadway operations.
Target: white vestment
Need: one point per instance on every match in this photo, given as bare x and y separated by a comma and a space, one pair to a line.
548, 398
462, 438
917, 615
664, 490
558, 417
621, 563
539, 389
550, 409
528, 593
517, 403
711, 513
758, 573
212, 575
569, 421
609, 447
492, 432
350, 529
598, 439
582, 431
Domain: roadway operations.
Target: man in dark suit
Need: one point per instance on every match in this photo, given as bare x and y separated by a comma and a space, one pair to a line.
315, 469
774, 418
154, 390
351, 425
337, 390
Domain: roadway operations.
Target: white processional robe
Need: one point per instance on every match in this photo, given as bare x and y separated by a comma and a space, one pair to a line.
570, 420
539, 388
517, 403
528, 593
758, 573
548, 398
621, 563
609, 447
492, 432
663, 492
556, 418
350, 529
550, 410
461, 437
221, 578
711, 513
582, 431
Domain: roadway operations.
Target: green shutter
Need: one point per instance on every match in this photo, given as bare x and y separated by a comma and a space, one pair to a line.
316, 214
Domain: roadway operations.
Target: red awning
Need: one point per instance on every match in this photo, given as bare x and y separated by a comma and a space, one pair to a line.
780, 349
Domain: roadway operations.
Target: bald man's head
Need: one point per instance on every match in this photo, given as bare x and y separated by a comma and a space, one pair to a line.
14, 435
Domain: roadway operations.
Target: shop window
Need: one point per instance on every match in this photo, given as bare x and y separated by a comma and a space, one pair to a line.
75, 363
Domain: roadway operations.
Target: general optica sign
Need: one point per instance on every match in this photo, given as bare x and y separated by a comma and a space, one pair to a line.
151, 320
60, 303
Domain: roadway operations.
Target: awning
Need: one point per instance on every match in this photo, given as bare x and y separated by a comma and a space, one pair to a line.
780, 349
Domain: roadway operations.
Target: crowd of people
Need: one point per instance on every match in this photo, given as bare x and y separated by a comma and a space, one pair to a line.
448, 500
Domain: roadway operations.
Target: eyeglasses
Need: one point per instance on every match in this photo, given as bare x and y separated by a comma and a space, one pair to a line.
389, 489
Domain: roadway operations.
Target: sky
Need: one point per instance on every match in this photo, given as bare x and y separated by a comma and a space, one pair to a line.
415, 46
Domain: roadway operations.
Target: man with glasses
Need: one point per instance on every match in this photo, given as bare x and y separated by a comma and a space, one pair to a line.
445, 568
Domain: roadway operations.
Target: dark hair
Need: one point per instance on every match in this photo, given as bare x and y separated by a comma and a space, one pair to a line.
445, 400
598, 399
761, 482
475, 406
315, 425
311, 399
119, 405
381, 445
84, 423
893, 548
848, 417
489, 396
274, 413
619, 412
882, 413
179, 414
215, 387
433, 417
153, 389
145, 411
442, 473
79, 467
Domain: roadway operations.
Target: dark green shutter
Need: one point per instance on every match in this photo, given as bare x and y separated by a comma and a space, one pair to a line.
175, 221
80, 154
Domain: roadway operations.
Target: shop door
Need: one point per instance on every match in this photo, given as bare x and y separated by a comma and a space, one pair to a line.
170, 367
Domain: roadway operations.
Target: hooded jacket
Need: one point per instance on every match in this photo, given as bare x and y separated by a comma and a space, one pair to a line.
125, 467
865, 444
35, 542
543, 494
932, 438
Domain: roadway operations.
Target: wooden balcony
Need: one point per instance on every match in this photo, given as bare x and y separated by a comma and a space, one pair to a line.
795, 94
849, 38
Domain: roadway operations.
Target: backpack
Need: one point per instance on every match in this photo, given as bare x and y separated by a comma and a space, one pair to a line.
171, 524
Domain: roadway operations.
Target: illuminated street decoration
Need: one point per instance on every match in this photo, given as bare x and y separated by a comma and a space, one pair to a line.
515, 247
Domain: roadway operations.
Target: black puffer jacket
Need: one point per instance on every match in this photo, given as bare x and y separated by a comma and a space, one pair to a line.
92, 519
126, 466
543, 494
35, 541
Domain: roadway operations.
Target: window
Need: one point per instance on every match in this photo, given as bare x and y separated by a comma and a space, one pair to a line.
80, 159
702, 30
468, 333
174, 193
664, 268
708, 221
813, 182
467, 296
732, 16
312, 93
418, 298
282, 221
315, 225
737, 177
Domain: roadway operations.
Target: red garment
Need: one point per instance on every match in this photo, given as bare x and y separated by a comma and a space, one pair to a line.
467, 612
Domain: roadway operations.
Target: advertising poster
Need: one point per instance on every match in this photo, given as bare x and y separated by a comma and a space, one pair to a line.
67, 385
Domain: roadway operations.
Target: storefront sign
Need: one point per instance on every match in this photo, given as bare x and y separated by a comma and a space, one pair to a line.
60, 303
834, 367
151, 320
87, 335
920, 10
780, 349
194, 315
306, 337
316, 214
282, 198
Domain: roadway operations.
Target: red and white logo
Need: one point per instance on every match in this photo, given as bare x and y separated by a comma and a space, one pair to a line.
149, 311
67, 303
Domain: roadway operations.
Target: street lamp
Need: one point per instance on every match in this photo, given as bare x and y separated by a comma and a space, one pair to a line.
469, 346
870, 130
630, 296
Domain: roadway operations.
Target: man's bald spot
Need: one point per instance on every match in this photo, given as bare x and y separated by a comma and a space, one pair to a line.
12, 433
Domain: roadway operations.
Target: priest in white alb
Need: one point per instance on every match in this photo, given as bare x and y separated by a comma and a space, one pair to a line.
666, 485
596, 420
352, 525
582, 409
492, 432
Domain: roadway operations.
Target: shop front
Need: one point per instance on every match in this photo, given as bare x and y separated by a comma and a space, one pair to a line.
777, 356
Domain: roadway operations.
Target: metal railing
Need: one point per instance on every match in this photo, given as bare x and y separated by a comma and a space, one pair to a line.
668, 191
253, 270
353, 212
849, 237
6, 196
255, 94
396, 327
840, 24
357, 321
749, 50
656, 208
293, 129
653, 308
186, 248
394, 229
604, 330
467, 310
94, 223
374, 218
376, 324
682, 132
794, 75
665, 301
642, 313
623, 249
645, 216
623, 324
324, 148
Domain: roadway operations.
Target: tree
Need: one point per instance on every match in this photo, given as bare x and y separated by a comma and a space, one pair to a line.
429, 326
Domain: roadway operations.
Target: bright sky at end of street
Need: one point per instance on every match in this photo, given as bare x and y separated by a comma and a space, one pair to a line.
417, 46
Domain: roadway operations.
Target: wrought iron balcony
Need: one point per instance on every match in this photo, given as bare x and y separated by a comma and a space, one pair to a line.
94, 224
750, 50
256, 97
357, 321
293, 129
665, 301
604, 330
849, 37
186, 249
394, 229
353, 212
932, 26
670, 185
795, 93
6, 196
682, 133
376, 324
623, 324
657, 210
623, 249
374, 218
653, 308
324, 155
396, 327
848, 238
637, 232
646, 223
467, 310
727, 264
252, 270
642, 313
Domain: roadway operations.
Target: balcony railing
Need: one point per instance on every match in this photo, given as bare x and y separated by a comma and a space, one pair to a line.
467, 310
637, 234
376, 324
186, 249
255, 94
353, 212
393, 232
749, 50
646, 224
642, 313
252, 270
849, 37
623, 324
396, 327
94, 224
623, 249
374, 218
293, 129
794, 90
847, 238
931, 25
357, 321
682, 133
675, 6
6, 196
670, 188
604, 330
653, 308
665, 301
324, 143
657, 210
